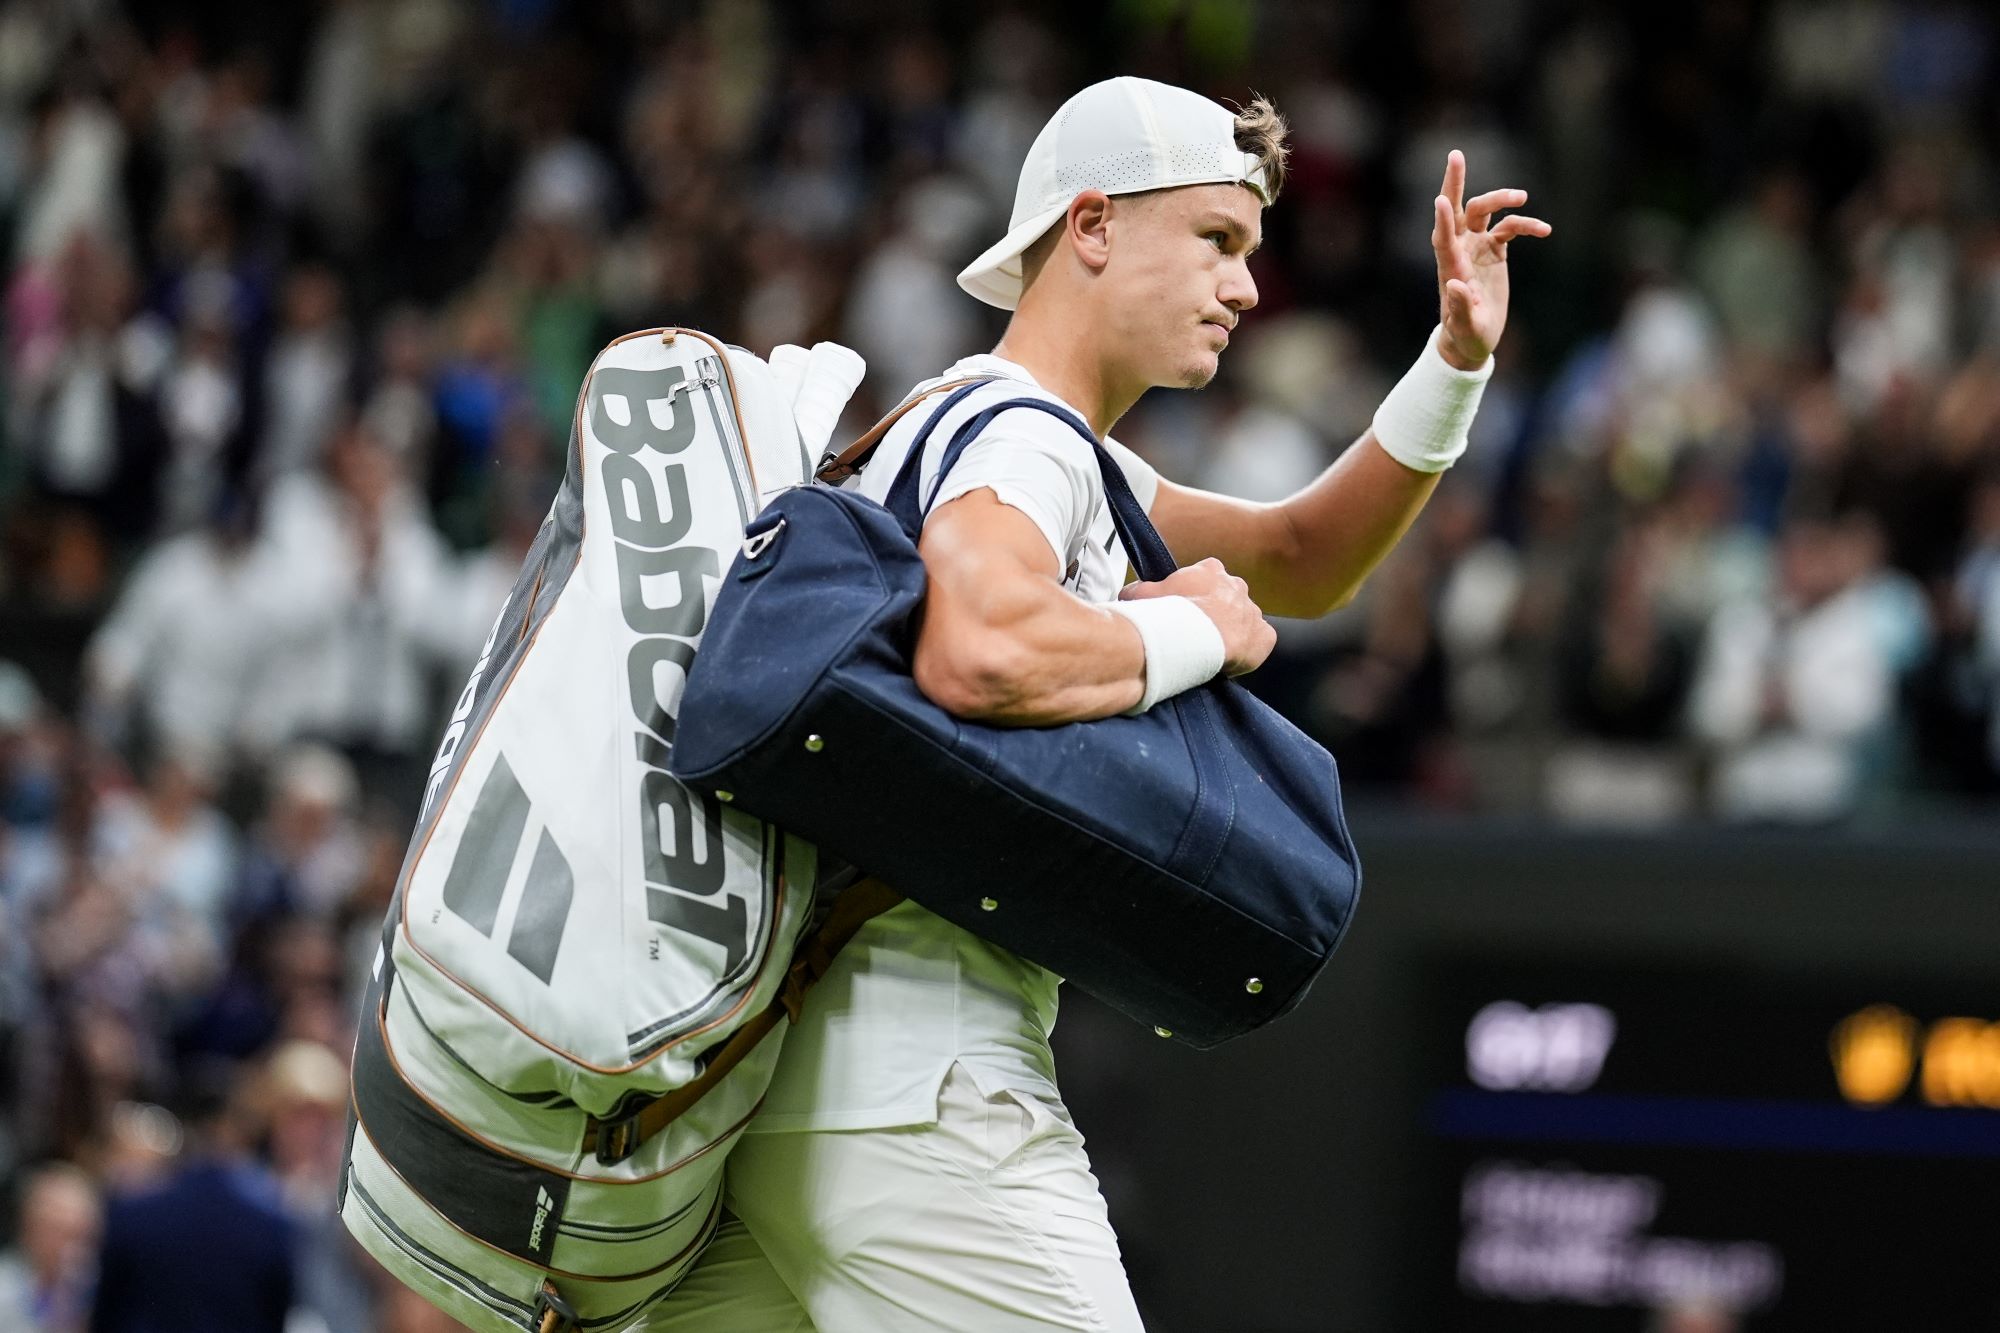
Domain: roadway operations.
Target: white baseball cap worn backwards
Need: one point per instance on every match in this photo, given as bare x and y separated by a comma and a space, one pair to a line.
1121, 136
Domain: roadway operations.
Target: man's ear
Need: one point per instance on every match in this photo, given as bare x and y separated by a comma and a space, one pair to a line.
1087, 227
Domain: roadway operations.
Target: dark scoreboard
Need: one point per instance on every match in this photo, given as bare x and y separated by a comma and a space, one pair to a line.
1697, 1150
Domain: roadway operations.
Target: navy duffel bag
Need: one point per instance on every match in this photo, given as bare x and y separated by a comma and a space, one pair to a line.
1190, 866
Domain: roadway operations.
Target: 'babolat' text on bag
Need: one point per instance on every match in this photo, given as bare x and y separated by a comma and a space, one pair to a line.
565, 1030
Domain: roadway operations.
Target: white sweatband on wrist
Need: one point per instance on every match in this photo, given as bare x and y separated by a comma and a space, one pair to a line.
1183, 647
1423, 422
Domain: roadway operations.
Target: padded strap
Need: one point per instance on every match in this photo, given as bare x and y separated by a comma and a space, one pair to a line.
615, 1140
835, 468
901, 500
1143, 543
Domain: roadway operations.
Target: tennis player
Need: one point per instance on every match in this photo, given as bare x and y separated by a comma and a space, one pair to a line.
914, 1166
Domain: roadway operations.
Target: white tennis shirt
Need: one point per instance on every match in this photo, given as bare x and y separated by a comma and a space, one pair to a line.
911, 993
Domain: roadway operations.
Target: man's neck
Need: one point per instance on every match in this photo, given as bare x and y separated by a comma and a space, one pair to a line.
1063, 358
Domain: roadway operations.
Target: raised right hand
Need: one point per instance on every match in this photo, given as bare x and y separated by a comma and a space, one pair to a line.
1247, 638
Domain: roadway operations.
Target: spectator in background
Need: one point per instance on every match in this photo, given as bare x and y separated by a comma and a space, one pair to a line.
545, 266
304, 1089
484, 577
905, 311
27, 774
1379, 704
18, 998
75, 149
397, 407
174, 850
210, 1248
185, 660
85, 373
367, 575
1962, 706
1795, 694
45, 1278
1623, 668
1755, 266
98, 1041
479, 381
306, 852
307, 375
205, 410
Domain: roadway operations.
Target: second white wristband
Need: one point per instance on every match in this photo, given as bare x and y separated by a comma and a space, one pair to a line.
1183, 647
1424, 421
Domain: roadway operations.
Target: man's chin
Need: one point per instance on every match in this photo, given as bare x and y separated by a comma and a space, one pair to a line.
1200, 371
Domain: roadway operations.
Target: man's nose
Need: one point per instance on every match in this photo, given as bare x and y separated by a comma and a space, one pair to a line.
1239, 290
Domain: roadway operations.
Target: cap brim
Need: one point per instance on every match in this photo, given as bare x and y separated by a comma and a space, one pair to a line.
995, 277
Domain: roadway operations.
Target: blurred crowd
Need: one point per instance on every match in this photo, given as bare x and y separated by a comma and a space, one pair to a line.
297, 303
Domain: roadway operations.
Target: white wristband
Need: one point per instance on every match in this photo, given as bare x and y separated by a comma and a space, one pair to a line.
1423, 422
1183, 647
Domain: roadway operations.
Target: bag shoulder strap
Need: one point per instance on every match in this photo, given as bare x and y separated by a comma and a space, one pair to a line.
1150, 556
616, 1139
837, 466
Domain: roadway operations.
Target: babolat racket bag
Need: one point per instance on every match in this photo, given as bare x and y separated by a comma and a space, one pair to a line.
1190, 866
565, 1030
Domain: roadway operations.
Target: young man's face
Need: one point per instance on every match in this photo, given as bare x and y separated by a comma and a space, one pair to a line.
1180, 279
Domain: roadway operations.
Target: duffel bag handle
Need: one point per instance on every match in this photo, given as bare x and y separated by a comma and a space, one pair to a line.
836, 467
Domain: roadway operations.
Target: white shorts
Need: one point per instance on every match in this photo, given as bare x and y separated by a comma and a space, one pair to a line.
988, 1220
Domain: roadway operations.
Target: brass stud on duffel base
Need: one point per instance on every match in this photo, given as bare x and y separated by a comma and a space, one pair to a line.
1254, 986
815, 743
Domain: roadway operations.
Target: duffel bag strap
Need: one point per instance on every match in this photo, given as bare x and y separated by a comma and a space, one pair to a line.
836, 467
614, 1140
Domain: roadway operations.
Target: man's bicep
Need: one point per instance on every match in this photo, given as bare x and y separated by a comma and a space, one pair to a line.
976, 537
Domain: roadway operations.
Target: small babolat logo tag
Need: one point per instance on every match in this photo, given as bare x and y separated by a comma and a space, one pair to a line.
543, 1205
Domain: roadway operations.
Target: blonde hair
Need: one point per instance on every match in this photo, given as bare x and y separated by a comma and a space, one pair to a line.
1261, 131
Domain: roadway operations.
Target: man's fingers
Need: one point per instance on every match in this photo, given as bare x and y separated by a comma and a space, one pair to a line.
1443, 224
1479, 210
1507, 228
1454, 180
1458, 295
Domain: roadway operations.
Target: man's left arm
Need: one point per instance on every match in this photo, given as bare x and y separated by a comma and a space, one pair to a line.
1309, 554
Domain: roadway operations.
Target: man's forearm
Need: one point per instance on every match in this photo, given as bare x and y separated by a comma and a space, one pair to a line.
1307, 555
1338, 529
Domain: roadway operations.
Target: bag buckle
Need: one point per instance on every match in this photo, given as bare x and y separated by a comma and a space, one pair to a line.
618, 1139
831, 470
757, 543
553, 1314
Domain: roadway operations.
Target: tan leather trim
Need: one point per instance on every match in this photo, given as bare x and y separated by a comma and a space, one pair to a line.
735, 402
841, 468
